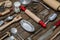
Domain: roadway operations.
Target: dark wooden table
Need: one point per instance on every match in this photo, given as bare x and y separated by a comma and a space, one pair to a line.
36, 9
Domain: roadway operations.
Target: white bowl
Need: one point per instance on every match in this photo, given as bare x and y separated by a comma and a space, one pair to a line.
25, 2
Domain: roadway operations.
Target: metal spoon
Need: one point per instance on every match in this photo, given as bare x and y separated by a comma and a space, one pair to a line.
51, 17
9, 18
17, 18
14, 31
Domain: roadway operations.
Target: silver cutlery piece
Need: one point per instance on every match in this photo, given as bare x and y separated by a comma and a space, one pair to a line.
51, 17
15, 32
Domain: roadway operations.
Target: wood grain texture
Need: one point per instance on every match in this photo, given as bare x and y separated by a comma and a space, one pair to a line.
37, 11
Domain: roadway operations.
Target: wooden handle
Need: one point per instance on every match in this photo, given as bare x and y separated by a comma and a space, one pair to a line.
5, 25
53, 3
34, 17
14, 20
55, 35
5, 12
7, 34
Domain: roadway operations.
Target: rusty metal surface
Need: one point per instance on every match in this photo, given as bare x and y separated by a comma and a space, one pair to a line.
36, 9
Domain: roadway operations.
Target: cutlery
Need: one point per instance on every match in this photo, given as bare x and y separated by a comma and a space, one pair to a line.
51, 17
17, 18
15, 31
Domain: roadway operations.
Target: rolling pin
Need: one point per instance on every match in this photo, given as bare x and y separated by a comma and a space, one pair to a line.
5, 12
34, 17
17, 18
7, 34
53, 4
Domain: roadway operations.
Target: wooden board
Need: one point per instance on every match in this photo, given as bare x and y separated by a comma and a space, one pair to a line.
36, 9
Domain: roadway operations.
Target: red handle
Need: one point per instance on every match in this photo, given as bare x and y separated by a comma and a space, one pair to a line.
57, 23
42, 24
23, 8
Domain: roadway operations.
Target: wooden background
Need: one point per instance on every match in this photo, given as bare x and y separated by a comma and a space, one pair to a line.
36, 9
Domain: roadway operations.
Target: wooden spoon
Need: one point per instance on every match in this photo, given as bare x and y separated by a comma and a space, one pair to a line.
17, 18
